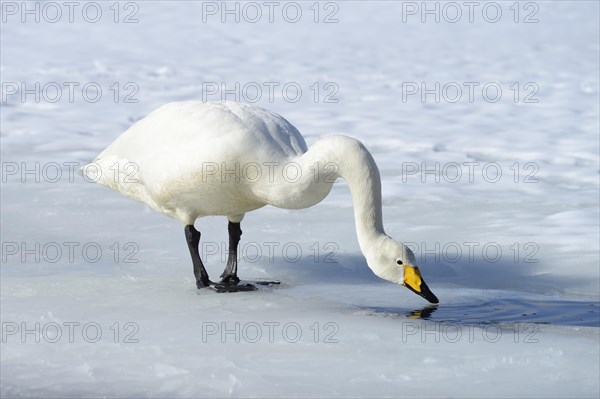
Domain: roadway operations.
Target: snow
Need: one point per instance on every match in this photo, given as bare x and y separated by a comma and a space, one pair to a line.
522, 323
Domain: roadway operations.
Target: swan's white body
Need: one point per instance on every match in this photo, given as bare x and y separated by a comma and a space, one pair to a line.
192, 159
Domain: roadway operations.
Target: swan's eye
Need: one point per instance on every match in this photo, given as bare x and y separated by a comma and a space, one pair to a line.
399, 262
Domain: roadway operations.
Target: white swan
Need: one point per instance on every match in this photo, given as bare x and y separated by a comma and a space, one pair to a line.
192, 159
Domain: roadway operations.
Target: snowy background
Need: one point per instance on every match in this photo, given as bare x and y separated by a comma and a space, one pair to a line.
97, 291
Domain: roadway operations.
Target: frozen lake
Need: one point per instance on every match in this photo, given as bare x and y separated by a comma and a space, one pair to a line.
483, 119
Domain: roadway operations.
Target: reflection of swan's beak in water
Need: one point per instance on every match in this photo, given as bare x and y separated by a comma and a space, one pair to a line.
424, 313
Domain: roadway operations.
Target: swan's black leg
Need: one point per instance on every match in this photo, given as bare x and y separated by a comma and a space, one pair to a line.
192, 237
230, 280
229, 283
229, 276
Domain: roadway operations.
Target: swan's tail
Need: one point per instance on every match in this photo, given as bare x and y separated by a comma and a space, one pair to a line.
120, 175
111, 172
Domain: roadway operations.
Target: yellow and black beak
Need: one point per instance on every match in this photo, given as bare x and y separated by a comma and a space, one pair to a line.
414, 282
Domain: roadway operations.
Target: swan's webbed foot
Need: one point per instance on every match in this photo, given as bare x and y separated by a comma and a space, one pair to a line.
267, 282
231, 283
232, 288
204, 284
229, 279
227, 286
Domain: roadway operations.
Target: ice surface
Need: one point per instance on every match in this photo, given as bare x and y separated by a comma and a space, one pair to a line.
525, 323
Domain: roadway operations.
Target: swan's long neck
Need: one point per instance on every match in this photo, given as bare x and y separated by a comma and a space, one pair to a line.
358, 168
348, 158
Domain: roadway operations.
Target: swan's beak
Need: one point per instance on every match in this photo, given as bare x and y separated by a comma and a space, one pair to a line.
414, 282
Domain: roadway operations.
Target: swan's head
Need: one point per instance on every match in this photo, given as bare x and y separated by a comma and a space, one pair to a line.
395, 262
